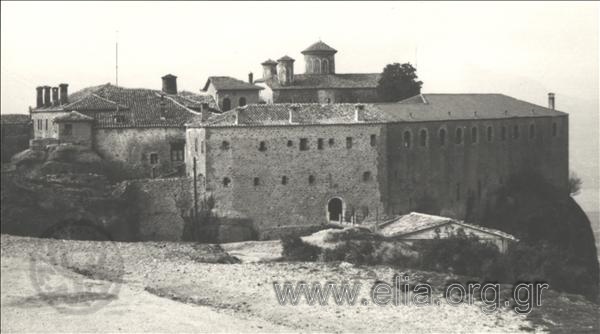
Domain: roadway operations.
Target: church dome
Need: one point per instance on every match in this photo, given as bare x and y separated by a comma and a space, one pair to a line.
319, 47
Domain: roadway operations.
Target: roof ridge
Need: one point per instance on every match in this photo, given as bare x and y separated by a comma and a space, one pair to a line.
179, 104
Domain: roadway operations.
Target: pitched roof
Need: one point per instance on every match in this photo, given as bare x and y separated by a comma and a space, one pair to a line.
319, 47
229, 83
319, 81
269, 62
139, 107
416, 222
73, 116
286, 58
14, 119
423, 108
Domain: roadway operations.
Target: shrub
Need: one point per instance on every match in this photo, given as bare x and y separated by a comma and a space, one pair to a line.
297, 250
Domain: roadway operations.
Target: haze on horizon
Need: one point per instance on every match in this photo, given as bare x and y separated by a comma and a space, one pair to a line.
524, 50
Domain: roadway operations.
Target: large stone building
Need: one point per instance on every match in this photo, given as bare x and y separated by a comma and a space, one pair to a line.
292, 167
229, 92
142, 128
319, 83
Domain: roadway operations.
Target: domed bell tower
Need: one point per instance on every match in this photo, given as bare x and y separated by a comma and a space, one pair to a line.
285, 70
319, 58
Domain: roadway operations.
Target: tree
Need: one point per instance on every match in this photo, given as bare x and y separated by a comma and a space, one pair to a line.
398, 82
574, 184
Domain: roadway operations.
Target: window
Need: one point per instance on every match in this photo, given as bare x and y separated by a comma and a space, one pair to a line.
226, 104
366, 176
303, 144
177, 150
202, 145
503, 133
348, 142
119, 119
226, 182
242, 101
154, 158
262, 146
331, 142
68, 130
490, 133
196, 144
256, 181
39, 124
531, 131
474, 135
458, 136
373, 140
320, 143
407, 137
423, 137
46, 124
225, 145
442, 135
311, 179
284, 180
325, 66
554, 129
516, 132
290, 143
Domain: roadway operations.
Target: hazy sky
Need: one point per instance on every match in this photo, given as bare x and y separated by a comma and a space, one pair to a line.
521, 49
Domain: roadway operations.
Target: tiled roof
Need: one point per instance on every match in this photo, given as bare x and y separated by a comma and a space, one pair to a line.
284, 58
74, 116
415, 222
14, 119
425, 107
318, 81
137, 107
319, 47
269, 62
229, 83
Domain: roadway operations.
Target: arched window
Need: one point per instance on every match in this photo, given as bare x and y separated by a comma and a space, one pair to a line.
516, 132
531, 131
503, 133
284, 180
226, 104
442, 135
325, 66
554, 129
311, 179
474, 135
226, 182
407, 137
317, 65
242, 101
490, 133
459, 136
423, 137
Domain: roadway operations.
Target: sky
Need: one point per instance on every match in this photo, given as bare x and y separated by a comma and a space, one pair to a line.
522, 49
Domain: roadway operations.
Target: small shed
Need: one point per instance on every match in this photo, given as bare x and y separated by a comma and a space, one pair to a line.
75, 128
420, 226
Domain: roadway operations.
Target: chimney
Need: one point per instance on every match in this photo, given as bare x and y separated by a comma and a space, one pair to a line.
163, 112
250, 78
359, 112
285, 70
551, 101
47, 101
204, 112
169, 84
39, 100
64, 93
55, 101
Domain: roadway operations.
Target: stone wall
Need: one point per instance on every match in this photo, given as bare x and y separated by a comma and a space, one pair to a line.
325, 95
81, 133
47, 128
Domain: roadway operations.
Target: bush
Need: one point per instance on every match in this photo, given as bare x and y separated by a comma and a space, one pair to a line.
295, 249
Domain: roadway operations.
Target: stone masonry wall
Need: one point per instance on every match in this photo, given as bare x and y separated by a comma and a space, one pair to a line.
325, 95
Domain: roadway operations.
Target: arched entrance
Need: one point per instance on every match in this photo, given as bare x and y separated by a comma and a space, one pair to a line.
226, 104
335, 209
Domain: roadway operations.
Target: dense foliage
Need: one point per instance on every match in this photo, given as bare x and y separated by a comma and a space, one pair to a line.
398, 82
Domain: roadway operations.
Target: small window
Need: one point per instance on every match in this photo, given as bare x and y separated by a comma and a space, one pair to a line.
154, 158
39, 124
503, 133
290, 143
407, 138
303, 144
554, 129
423, 137
320, 143
373, 140
226, 182
459, 136
284, 180
46, 124
366, 176
196, 145
531, 131
348, 142
442, 135
256, 181
202, 145
490, 133
262, 146
177, 151
226, 104
516, 133
242, 101
225, 145
68, 130
311, 179
331, 142
474, 135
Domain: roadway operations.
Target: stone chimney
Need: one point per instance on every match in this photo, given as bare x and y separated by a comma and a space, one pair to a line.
39, 97
285, 70
250, 78
204, 112
47, 101
64, 93
359, 112
55, 101
169, 84
551, 101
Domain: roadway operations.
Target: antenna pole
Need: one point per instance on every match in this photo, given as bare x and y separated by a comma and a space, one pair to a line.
117, 60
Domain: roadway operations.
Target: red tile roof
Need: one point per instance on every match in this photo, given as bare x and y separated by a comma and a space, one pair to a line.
229, 83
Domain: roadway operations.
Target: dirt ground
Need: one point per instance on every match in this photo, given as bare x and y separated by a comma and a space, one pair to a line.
182, 287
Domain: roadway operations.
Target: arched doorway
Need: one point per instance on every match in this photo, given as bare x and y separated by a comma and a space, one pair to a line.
335, 209
226, 104
242, 101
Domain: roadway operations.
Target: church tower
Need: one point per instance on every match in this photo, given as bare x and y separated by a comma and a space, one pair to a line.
319, 59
